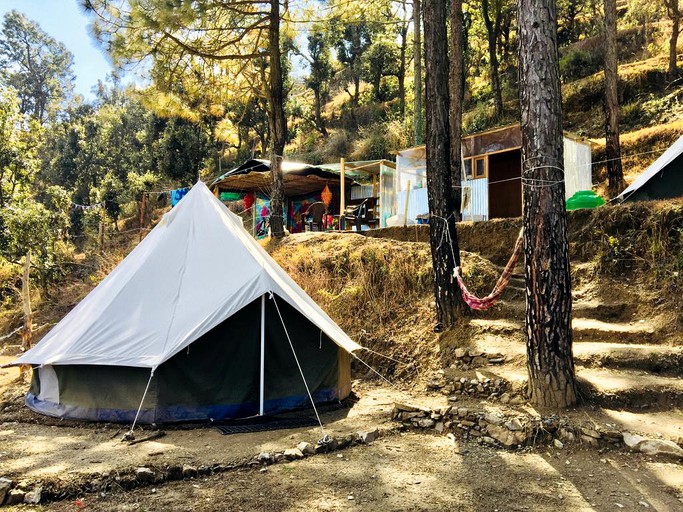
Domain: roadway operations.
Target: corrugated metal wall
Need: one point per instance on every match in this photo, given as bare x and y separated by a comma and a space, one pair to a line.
577, 167
478, 207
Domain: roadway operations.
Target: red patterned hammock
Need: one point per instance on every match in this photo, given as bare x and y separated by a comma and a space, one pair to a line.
481, 304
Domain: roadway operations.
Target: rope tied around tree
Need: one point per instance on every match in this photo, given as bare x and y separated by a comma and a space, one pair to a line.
487, 302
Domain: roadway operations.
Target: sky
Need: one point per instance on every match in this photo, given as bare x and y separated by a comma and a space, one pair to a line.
65, 21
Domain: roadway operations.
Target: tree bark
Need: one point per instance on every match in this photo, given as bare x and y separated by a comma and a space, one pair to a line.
615, 174
673, 11
443, 238
402, 72
278, 125
492, 31
27, 332
546, 247
417, 62
457, 86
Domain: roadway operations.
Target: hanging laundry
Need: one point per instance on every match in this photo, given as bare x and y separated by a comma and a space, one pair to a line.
177, 195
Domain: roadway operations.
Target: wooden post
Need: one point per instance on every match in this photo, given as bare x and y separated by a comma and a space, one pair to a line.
405, 208
142, 214
26, 299
342, 199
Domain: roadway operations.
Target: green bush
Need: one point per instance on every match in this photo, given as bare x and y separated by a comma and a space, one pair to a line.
577, 64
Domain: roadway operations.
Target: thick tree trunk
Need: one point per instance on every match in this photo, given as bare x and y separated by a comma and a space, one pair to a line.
457, 83
546, 248
492, 29
417, 61
615, 174
442, 234
278, 125
674, 13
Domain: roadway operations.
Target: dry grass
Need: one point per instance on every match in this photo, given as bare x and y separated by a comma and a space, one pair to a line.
639, 150
379, 291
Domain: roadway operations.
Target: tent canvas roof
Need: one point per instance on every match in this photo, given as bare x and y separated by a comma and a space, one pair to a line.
196, 268
674, 151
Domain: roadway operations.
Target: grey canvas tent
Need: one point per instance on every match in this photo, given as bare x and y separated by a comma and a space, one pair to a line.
662, 180
200, 321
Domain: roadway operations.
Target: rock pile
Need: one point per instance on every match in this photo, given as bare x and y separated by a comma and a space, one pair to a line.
478, 386
12, 493
518, 431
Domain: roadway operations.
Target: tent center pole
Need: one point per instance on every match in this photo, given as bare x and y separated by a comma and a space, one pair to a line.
263, 354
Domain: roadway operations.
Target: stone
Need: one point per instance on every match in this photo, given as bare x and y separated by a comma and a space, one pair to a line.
590, 440
345, 441
613, 435
489, 440
203, 470
265, 458
514, 424
660, 447
632, 440
144, 475
558, 444
278, 457
293, 454
497, 360
15, 496
506, 437
516, 400
493, 419
5, 486
505, 398
461, 352
591, 433
174, 472
426, 423
372, 435
462, 412
33, 497
467, 424
306, 448
566, 436
405, 407
189, 471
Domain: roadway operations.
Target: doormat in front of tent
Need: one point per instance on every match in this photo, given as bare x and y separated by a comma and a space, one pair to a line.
264, 424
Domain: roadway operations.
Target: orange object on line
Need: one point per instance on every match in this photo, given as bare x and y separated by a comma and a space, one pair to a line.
326, 195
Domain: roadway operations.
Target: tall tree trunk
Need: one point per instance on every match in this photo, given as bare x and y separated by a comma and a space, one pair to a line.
319, 121
615, 174
443, 238
674, 14
417, 61
546, 247
492, 29
456, 86
27, 332
402, 72
278, 125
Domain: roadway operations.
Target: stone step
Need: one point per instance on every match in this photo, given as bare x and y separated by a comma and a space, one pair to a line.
630, 389
607, 312
656, 359
588, 329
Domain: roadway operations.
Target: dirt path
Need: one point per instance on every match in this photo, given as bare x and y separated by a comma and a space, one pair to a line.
411, 472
